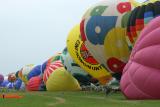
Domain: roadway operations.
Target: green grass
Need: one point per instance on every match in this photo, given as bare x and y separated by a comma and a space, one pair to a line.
75, 99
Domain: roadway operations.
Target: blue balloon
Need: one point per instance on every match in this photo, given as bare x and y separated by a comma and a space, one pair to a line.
18, 84
44, 66
36, 71
10, 85
4, 83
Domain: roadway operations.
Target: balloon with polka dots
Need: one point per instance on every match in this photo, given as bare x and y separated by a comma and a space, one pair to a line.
103, 29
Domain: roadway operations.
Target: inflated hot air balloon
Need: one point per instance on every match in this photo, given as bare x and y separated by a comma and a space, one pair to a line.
19, 84
23, 73
36, 71
83, 58
52, 64
35, 84
141, 75
83, 77
1, 78
11, 77
62, 80
103, 30
139, 18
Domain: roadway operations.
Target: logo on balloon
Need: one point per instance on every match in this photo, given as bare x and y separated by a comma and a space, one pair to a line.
84, 56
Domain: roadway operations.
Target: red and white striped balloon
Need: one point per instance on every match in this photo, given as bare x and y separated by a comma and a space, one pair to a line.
50, 67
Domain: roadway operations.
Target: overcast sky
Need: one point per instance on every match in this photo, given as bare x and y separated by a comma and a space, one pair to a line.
31, 31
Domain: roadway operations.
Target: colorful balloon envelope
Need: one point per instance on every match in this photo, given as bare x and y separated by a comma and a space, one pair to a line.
83, 58
44, 66
4, 83
23, 73
36, 71
104, 26
52, 64
11, 77
70, 65
35, 84
19, 84
62, 80
10, 85
7, 84
139, 18
141, 75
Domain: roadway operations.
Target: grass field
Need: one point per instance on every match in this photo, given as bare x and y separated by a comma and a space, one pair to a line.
75, 99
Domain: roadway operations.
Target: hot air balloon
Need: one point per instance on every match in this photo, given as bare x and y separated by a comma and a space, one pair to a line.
11, 77
52, 64
23, 73
7, 84
62, 80
10, 85
83, 77
35, 84
4, 83
139, 18
19, 84
1, 78
50, 68
36, 71
103, 26
141, 75
83, 58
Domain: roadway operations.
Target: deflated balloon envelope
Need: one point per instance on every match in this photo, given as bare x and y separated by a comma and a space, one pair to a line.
4, 83
52, 64
19, 84
62, 80
7, 84
36, 71
23, 73
36, 84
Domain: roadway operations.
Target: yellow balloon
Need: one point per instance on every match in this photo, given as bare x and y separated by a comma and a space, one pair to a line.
83, 58
116, 49
62, 80
141, 2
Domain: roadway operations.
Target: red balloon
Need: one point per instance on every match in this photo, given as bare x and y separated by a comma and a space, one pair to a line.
34, 84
